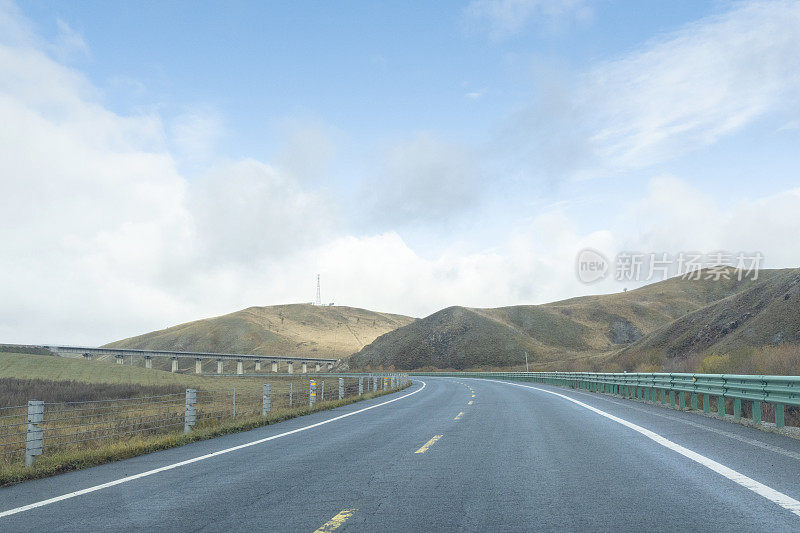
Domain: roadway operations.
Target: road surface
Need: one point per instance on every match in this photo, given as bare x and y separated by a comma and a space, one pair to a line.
447, 454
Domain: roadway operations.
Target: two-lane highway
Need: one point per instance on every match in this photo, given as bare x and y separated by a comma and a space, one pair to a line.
447, 454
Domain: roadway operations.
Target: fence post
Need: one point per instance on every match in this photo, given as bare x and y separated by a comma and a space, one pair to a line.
361, 385
35, 433
312, 392
341, 388
374, 383
234, 402
322, 397
190, 410
290, 394
266, 401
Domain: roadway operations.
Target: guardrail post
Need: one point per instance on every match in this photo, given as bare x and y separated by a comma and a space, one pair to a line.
312, 393
190, 410
682, 399
35, 434
374, 383
234, 402
341, 388
672, 398
737, 408
721, 406
361, 385
756, 412
779, 419
694, 402
290, 393
706, 403
266, 401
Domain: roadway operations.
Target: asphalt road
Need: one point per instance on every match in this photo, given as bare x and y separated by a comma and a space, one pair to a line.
515, 459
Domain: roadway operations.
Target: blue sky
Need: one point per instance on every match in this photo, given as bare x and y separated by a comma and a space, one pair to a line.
196, 158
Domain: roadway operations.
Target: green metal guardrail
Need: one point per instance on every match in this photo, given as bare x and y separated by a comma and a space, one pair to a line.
671, 388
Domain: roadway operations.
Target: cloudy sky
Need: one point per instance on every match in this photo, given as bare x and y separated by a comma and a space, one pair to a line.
162, 162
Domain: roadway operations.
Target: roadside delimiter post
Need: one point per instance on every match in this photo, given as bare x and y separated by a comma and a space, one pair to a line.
190, 411
266, 402
34, 437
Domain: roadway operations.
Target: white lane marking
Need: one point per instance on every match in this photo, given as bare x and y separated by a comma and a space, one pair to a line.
194, 459
787, 502
746, 440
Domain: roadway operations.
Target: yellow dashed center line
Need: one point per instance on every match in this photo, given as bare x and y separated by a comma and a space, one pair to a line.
337, 521
459, 415
429, 444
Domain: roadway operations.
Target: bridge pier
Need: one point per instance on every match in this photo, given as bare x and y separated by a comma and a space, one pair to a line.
289, 367
174, 364
305, 367
120, 359
258, 365
219, 366
330, 366
274, 366
239, 367
198, 366
148, 361
87, 356
316, 367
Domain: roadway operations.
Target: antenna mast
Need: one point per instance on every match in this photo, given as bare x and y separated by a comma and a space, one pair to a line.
319, 299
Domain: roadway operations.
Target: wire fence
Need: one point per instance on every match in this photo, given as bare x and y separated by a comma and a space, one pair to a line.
27, 431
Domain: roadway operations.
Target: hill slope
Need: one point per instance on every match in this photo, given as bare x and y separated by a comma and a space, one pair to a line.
589, 326
766, 313
292, 330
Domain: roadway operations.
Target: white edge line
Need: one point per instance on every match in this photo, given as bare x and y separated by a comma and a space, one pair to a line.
785, 501
126, 479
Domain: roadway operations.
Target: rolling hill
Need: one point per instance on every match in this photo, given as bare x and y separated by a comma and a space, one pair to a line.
292, 330
764, 314
582, 332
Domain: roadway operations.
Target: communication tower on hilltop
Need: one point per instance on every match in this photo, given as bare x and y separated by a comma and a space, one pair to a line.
319, 299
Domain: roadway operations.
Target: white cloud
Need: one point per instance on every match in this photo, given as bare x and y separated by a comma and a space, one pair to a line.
690, 88
507, 17
423, 179
194, 134
68, 42
309, 149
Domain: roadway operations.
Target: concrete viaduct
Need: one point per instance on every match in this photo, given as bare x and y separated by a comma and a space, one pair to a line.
199, 357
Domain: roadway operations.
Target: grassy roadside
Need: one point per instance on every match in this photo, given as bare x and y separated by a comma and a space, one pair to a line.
58, 463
